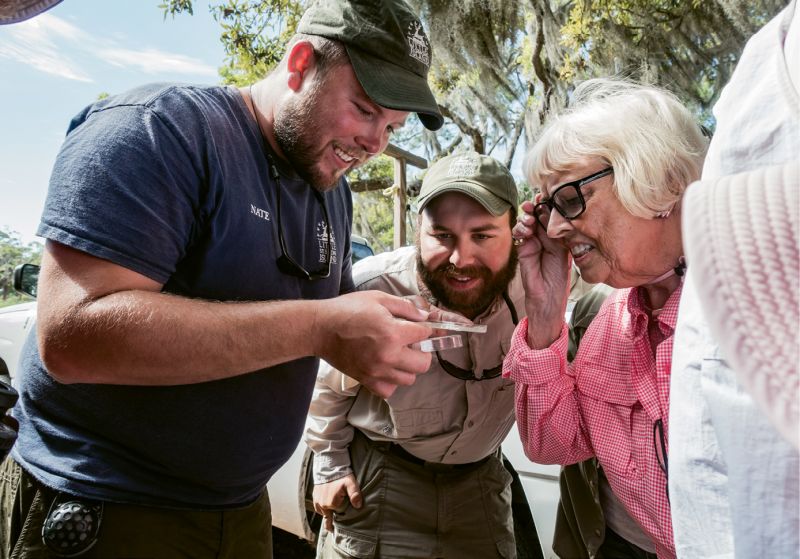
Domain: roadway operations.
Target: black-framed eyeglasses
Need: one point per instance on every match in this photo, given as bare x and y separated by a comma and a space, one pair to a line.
661, 450
488, 374
286, 264
567, 199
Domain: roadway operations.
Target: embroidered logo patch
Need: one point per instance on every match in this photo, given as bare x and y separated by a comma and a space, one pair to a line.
418, 46
322, 241
464, 167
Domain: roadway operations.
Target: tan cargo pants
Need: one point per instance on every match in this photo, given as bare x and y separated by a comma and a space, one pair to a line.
413, 511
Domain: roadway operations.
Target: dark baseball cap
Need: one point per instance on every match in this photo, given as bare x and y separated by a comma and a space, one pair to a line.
388, 50
480, 177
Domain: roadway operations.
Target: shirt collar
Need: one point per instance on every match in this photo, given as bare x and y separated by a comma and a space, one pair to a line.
666, 319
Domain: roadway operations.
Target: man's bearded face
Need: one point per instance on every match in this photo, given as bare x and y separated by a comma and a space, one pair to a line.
443, 280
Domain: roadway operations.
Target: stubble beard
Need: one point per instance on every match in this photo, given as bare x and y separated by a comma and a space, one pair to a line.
473, 302
297, 128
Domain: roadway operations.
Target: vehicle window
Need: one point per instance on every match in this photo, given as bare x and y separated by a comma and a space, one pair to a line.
360, 251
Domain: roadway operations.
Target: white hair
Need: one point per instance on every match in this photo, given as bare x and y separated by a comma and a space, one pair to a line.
652, 141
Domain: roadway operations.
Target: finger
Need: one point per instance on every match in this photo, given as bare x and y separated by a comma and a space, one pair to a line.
380, 388
419, 302
550, 244
541, 234
521, 231
402, 307
389, 380
329, 522
354, 492
356, 499
440, 315
528, 220
413, 361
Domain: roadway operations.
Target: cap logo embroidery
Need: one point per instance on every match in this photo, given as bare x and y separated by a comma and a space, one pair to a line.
418, 46
464, 167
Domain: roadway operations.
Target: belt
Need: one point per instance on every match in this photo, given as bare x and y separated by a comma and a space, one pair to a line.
396, 450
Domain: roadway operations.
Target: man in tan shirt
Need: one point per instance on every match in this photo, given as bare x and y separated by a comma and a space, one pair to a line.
420, 474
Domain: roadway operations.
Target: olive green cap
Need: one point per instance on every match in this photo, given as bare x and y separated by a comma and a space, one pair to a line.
388, 50
480, 177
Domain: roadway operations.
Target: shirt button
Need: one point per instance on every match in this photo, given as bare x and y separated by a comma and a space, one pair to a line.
470, 423
453, 453
597, 532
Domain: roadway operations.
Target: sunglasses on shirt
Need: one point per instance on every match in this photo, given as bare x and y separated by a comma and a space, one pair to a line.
488, 374
286, 264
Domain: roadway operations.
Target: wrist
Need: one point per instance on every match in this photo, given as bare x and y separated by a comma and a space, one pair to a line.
317, 332
542, 334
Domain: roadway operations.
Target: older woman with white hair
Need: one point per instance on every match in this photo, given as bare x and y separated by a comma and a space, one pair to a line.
611, 169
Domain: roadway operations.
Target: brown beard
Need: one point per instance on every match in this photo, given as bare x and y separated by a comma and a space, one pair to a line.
296, 130
472, 303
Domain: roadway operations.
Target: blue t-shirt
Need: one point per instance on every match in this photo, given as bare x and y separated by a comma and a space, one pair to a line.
172, 182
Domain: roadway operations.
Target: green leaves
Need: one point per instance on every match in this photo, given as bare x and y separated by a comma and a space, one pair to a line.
254, 33
689, 47
501, 66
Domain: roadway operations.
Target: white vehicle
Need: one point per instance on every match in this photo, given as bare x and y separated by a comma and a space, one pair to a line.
290, 487
16, 321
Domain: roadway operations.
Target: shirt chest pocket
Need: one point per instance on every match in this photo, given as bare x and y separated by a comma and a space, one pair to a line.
500, 413
416, 422
616, 423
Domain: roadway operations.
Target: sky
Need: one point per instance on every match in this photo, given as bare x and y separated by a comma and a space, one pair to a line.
55, 64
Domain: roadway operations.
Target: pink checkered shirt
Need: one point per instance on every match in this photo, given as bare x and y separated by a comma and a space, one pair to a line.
605, 403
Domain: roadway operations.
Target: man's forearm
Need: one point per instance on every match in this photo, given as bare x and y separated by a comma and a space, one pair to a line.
99, 322
150, 338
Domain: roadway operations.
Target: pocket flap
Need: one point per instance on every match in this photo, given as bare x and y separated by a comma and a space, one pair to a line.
614, 387
354, 544
419, 417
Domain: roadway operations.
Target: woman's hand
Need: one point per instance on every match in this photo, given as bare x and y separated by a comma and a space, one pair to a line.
544, 265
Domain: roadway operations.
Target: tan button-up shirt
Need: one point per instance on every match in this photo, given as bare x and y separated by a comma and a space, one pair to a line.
439, 418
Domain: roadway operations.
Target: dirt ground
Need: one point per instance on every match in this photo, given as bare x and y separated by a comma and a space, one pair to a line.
289, 546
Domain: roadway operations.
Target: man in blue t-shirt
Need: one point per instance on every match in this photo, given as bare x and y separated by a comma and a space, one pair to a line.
197, 267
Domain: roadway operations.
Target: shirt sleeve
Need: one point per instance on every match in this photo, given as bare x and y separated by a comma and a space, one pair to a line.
125, 188
328, 432
546, 400
347, 285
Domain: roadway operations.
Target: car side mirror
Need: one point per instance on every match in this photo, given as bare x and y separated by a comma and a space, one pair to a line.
26, 279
